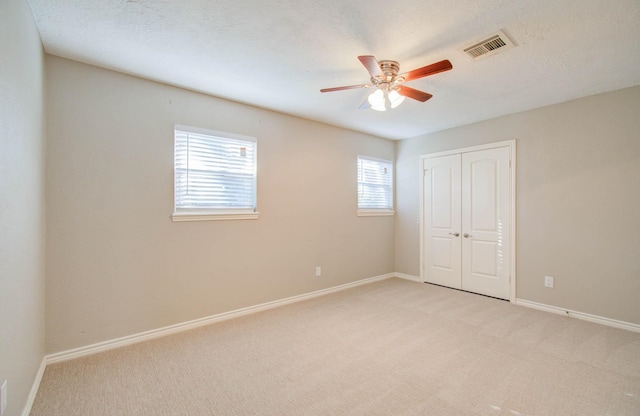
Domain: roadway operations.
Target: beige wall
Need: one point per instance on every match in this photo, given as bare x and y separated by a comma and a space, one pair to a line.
578, 200
117, 264
22, 219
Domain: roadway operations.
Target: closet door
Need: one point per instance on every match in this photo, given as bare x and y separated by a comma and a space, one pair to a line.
486, 222
441, 221
466, 221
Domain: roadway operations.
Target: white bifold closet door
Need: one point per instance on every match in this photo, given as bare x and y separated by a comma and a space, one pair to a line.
467, 220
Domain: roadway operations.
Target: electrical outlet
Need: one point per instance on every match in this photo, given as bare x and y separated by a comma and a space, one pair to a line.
3, 397
548, 281
318, 271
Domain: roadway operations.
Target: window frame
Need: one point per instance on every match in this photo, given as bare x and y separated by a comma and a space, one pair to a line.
210, 213
369, 211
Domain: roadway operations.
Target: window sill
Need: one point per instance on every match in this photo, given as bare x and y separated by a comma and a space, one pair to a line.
210, 216
374, 213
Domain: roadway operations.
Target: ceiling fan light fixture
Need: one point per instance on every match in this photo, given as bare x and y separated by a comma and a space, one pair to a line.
377, 100
380, 99
395, 98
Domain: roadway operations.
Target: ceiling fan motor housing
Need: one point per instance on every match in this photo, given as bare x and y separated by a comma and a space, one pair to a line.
390, 70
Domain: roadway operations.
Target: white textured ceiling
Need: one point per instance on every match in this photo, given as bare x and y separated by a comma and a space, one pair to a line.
279, 54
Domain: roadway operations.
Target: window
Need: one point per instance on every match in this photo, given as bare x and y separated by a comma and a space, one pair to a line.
215, 175
375, 186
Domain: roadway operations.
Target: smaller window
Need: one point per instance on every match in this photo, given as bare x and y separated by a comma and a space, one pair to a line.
375, 186
214, 175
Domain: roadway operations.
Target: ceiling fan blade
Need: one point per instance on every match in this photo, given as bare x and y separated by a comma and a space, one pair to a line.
427, 70
413, 93
348, 87
372, 65
365, 105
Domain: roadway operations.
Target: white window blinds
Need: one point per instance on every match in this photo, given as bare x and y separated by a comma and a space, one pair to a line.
375, 184
214, 172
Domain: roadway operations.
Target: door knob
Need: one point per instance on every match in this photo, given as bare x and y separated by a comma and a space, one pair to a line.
455, 234
465, 235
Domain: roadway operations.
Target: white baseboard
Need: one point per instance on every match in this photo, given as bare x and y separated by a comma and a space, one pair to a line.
579, 315
408, 277
196, 323
34, 388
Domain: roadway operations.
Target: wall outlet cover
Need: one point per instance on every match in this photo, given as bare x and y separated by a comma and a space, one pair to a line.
548, 281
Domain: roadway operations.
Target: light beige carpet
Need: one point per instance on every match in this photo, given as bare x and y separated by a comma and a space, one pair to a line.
388, 348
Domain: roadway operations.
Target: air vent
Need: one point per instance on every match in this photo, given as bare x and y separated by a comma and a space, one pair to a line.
491, 45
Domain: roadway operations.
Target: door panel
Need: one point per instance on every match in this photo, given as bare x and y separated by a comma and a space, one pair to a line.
466, 219
483, 258
483, 177
485, 222
442, 253
441, 221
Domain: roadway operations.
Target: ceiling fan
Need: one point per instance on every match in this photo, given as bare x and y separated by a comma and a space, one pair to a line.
390, 90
